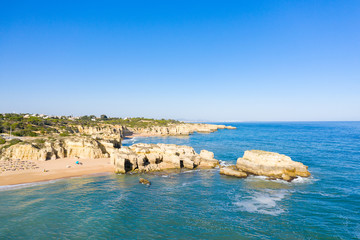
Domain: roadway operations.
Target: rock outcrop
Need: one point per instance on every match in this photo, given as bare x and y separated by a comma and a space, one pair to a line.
26, 151
270, 164
155, 157
232, 171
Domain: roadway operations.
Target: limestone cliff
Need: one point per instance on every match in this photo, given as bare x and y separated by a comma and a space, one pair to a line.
179, 129
107, 132
78, 147
117, 132
26, 151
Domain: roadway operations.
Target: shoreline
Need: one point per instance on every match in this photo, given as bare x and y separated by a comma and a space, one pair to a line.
57, 169
31, 183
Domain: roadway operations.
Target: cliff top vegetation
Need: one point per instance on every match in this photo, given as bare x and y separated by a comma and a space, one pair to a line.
34, 125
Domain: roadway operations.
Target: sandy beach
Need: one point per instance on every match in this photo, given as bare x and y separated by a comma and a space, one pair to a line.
56, 169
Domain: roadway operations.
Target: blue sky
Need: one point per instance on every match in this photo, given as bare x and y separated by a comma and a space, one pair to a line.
194, 60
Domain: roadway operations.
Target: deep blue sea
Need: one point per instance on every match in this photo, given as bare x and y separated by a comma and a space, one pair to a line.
202, 204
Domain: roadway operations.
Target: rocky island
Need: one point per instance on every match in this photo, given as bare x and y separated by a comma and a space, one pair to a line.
270, 164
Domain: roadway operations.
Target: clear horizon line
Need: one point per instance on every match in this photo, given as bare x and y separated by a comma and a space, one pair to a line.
236, 121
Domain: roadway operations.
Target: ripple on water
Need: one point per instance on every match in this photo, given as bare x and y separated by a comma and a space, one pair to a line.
26, 185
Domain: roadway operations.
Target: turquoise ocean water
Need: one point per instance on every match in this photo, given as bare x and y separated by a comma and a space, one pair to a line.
203, 204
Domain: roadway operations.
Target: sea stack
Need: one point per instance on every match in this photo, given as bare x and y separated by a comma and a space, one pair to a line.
270, 164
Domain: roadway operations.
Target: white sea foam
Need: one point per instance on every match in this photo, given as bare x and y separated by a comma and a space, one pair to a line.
25, 185
129, 140
302, 180
329, 194
191, 171
224, 163
255, 178
115, 200
297, 180
265, 202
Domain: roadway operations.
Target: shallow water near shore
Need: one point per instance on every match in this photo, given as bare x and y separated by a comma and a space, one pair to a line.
203, 204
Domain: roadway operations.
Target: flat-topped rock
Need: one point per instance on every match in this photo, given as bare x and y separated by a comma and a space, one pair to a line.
232, 171
271, 164
156, 157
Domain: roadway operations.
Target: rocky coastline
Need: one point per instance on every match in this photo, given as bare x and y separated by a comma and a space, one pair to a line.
104, 142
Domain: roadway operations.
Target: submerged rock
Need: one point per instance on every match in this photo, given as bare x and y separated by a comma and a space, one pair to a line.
232, 171
270, 164
144, 181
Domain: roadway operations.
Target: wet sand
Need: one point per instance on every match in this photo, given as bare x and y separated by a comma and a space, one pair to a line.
56, 169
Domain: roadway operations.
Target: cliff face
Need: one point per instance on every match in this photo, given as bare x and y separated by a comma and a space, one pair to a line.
179, 129
156, 157
106, 132
117, 132
69, 147
25, 152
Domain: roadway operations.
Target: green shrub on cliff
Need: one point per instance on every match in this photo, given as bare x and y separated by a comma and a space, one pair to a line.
25, 132
2, 140
41, 125
40, 143
64, 134
12, 142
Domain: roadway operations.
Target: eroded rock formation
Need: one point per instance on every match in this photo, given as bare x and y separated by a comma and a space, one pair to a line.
156, 157
113, 133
